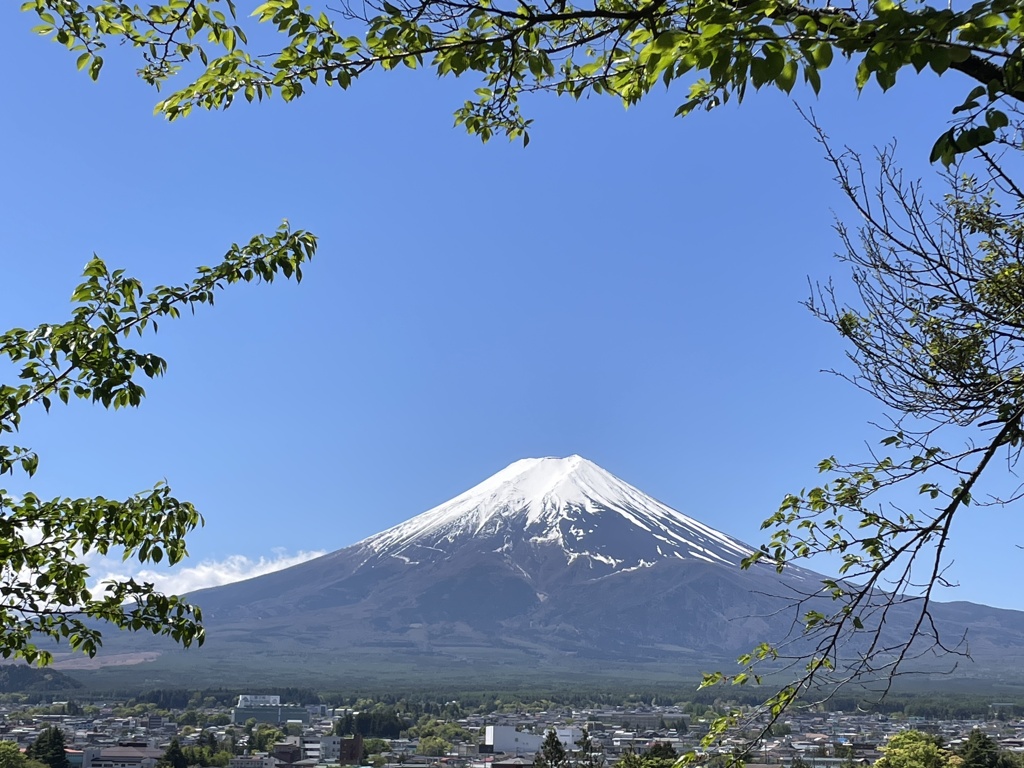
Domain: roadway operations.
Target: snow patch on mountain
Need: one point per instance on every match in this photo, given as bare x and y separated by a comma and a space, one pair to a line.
569, 502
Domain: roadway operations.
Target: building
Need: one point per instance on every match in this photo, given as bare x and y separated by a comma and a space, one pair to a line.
350, 751
252, 700
267, 709
121, 757
287, 752
569, 737
642, 720
505, 738
259, 760
330, 749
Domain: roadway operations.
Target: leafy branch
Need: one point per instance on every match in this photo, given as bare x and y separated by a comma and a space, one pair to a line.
619, 47
44, 590
936, 336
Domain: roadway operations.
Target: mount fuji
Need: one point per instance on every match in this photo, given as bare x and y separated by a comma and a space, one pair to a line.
569, 505
550, 564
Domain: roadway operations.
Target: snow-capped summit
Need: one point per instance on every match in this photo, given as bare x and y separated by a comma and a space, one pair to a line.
567, 502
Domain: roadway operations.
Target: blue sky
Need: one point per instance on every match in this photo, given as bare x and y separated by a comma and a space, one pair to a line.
626, 288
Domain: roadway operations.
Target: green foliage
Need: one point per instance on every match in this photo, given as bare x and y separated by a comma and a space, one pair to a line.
164, 698
173, 757
913, 749
21, 677
981, 751
433, 746
48, 748
45, 583
660, 755
934, 333
379, 722
11, 756
190, 717
587, 753
376, 746
430, 726
206, 756
929, 355
662, 750
264, 737
623, 48
552, 754
343, 726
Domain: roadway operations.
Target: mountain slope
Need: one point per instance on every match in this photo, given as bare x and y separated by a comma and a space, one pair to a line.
549, 563
517, 540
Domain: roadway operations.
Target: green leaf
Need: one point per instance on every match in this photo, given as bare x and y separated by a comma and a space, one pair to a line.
821, 55
939, 59
996, 119
862, 76
787, 77
943, 149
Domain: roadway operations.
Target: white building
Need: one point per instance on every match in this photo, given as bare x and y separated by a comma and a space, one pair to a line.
249, 700
505, 738
569, 737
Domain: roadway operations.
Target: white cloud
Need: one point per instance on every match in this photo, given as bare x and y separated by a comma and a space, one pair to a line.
185, 577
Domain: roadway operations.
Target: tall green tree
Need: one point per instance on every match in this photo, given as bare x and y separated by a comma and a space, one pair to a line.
173, 757
345, 726
552, 753
588, 754
982, 751
48, 748
979, 751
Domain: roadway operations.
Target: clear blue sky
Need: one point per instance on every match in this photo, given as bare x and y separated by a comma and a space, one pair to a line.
626, 288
